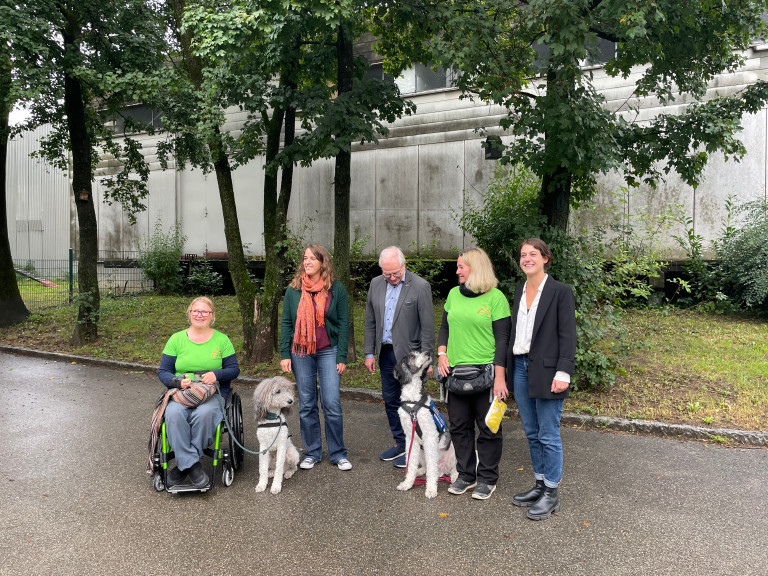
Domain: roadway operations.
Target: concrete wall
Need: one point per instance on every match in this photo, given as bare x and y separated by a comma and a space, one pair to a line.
408, 189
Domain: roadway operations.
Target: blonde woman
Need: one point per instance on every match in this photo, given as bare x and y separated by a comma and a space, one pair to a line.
475, 332
209, 354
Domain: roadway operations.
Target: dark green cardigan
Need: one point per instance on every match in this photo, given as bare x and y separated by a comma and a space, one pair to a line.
336, 318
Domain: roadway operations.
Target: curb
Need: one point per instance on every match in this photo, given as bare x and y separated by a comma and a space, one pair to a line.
644, 427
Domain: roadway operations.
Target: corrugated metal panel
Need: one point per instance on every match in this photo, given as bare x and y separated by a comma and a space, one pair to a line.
38, 202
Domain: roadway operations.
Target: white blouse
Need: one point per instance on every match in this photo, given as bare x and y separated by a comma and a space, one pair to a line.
524, 328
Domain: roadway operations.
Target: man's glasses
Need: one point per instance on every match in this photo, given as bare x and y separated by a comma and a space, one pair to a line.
394, 274
201, 312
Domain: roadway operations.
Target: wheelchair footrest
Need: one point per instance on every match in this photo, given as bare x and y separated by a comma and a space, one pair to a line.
179, 488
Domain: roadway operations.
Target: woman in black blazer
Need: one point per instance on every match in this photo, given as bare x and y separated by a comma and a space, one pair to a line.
540, 362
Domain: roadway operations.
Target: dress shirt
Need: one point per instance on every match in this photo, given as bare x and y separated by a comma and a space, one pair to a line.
390, 303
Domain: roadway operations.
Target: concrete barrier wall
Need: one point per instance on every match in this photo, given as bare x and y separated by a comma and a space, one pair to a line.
408, 189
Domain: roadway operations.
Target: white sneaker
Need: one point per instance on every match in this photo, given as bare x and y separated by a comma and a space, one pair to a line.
344, 464
308, 463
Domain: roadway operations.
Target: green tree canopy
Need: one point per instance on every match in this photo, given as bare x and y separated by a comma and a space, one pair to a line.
530, 57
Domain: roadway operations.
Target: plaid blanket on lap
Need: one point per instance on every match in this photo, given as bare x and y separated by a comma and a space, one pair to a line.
190, 397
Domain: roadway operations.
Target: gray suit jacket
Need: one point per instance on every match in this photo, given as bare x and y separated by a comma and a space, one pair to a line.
413, 327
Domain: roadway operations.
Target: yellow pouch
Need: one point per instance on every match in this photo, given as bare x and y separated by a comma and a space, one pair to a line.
495, 414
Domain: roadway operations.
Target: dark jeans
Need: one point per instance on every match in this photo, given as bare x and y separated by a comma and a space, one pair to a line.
464, 412
390, 392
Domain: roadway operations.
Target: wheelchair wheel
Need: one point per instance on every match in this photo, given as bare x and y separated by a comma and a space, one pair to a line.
235, 418
228, 476
157, 482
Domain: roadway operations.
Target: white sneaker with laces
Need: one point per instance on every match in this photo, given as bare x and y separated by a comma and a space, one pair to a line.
308, 463
344, 464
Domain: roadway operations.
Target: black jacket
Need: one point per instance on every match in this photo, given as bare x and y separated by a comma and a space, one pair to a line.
553, 343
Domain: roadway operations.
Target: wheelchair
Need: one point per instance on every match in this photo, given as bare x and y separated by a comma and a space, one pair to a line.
226, 453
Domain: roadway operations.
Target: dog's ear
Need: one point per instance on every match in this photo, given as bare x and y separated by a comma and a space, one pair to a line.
400, 373
261, 400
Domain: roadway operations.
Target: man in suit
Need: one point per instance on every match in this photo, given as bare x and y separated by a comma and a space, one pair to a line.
399, 317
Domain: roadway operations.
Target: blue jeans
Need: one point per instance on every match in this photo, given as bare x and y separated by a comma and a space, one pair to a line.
310, 370
541, 423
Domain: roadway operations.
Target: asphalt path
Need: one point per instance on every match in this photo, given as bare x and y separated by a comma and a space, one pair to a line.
76, 499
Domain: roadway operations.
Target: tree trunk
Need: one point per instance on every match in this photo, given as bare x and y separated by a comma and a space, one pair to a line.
556, 197
342, 183
555, 192
274, 239
238, 271
89, 299
12, 308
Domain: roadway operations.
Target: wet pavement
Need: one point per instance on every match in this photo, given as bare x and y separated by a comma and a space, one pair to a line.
76, 500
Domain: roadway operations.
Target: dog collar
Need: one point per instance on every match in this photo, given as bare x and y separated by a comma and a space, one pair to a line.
272, 416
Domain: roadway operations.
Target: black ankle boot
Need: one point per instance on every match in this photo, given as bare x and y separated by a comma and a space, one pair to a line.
529, 498
545, 506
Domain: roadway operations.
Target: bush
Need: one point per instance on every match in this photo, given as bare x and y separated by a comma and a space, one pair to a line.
705, 281
160, 257
424, 262
203, 279
509, 214
603, 281
744, 255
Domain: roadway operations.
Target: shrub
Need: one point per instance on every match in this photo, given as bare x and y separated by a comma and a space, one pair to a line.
160, 257
509, 214
603, 280
744, 254
203, 279
424, 262
705, 281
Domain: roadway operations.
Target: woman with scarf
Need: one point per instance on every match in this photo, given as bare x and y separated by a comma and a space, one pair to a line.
475, 333
313, 345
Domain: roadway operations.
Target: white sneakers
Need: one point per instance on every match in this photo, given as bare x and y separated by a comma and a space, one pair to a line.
308, 463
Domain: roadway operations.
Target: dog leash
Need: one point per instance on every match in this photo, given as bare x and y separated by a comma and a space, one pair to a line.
268, 425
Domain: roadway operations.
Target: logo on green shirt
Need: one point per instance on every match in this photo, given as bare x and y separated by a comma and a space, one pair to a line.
485, 311
217, 352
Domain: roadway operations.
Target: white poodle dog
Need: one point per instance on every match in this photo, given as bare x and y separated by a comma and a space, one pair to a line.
438, 457
278, 457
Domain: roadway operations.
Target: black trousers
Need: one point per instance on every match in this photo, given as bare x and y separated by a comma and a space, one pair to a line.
465, 412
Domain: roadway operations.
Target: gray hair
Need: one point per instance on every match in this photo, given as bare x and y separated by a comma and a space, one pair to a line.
391, 251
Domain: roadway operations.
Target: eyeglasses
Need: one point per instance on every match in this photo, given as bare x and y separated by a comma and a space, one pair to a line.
394, 274
200, 312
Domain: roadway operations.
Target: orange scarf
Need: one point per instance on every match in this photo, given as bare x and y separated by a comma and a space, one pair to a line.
309, 316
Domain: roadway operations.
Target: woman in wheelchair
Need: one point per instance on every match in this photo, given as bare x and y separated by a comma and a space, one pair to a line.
197, 354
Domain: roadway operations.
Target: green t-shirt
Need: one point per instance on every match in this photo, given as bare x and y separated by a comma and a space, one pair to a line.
470, 334
192, 357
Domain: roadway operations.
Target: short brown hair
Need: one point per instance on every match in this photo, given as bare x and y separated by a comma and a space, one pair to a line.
543, 249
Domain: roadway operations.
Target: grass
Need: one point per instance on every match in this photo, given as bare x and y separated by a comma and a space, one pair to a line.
694, 368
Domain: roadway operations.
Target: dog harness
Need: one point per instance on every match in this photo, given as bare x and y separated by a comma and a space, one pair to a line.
412, 408
275, 421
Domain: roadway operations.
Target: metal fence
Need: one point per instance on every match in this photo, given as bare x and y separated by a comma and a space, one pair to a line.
45, 283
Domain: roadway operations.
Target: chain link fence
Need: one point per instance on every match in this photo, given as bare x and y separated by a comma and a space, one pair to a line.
45, 283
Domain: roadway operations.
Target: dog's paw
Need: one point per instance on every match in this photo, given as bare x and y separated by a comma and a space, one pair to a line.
261, 487
276, 488
289, 473
403, 486
431, 492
